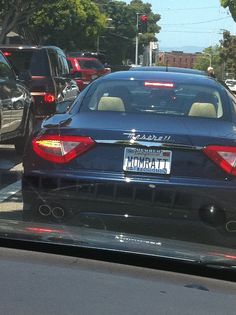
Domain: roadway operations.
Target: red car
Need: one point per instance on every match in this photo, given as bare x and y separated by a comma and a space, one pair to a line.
84, 70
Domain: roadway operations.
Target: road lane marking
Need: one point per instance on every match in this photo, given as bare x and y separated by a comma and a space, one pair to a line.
17, 167
9, 166
10, 190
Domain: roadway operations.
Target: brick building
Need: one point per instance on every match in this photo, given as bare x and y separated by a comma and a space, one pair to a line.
177, 59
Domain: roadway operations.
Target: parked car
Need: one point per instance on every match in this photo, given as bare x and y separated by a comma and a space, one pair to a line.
138, 144
231, 84
89, 54
16, 108
86, 69
45, 71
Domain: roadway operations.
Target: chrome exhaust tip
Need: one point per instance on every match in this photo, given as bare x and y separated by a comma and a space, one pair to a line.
231, 226
45, 210
58, 212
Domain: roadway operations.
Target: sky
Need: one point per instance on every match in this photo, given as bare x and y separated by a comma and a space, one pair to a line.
191, 23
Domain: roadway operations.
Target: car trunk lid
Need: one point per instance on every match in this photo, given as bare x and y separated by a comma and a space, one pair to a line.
183, 138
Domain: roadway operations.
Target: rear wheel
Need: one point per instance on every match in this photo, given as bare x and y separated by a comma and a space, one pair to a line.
21, 142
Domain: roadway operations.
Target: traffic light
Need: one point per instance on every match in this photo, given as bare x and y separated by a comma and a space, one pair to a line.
143, 23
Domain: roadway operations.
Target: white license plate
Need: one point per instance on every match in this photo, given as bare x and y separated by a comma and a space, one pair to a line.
147, 160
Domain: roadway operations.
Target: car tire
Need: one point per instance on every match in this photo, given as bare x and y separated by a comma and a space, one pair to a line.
21, 142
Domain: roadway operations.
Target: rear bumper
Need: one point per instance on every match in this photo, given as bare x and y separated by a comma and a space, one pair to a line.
120, 196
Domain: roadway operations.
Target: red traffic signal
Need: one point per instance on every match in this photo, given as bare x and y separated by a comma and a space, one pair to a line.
143, 18
143, 24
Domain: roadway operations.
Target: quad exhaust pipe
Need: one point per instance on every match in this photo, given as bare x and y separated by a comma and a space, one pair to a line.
231, 226
58, 212
46, 210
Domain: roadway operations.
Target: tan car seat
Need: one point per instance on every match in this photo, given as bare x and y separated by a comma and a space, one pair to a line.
111, 103
203, 110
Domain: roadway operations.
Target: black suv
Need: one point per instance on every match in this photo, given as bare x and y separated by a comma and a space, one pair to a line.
45, 71
16, 103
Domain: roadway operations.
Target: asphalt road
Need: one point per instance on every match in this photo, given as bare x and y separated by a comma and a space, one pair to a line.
10, 183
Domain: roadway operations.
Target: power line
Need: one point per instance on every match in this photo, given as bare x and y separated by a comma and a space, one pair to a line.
187, 9
195, 23
195, 32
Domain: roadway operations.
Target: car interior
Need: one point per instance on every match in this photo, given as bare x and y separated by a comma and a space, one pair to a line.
183, 101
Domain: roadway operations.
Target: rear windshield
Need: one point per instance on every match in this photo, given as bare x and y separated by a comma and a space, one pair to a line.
28, 60
155, 97
91, 64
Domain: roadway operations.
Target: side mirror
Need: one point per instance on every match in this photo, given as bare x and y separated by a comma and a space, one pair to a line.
25, 76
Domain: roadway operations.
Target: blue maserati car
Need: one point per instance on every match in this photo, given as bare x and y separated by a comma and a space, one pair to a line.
168, 69
137, 144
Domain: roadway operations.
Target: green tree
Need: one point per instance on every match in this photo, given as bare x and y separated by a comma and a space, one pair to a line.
228, 53
15, 14
118, 40
71, 24
231, 4
210, 56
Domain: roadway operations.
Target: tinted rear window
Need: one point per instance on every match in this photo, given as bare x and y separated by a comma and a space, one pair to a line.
155, 97
33, 61
5, 70
91, 64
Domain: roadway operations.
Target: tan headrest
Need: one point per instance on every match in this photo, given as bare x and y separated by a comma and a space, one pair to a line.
111, 103
203, 110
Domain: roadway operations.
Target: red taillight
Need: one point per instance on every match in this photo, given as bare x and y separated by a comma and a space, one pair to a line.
49, 98
224, 156
61, 149
7, 53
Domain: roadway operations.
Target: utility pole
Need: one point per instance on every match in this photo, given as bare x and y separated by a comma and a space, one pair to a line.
136, 39
150, 53
98, 43
210, 58
98, 35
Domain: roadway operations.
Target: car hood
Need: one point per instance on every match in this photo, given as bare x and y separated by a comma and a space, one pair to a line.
114, 242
